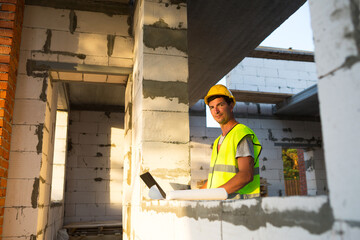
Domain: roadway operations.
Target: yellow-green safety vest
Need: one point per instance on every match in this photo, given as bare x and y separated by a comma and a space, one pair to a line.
224, 165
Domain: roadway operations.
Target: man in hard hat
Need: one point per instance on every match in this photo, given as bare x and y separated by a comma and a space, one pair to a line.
235, 156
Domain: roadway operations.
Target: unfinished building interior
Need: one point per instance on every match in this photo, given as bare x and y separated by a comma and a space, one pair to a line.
94, 93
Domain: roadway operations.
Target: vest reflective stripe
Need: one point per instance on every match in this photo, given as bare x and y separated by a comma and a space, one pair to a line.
230, 169
223, 164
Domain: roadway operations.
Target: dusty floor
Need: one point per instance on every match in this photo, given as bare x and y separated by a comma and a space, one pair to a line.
104, 237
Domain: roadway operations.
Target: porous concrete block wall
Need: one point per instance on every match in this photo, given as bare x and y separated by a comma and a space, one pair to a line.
159, 104
274, 135
62, 35
336, 38
30, 169
270, 75
94, 168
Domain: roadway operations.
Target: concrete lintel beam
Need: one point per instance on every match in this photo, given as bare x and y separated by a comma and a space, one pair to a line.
259, 97
282, 54
34, 66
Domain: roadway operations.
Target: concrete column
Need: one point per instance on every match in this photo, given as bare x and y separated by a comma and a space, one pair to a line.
159, 104
336, 30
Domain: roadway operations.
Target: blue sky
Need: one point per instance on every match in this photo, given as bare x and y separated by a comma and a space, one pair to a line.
294, 33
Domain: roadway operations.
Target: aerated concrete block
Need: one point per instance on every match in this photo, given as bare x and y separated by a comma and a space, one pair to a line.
333, 28
83, 127
26, 138
24, 165
28, 87
24, 56
155, 154
81, 173
92, 22
46, 18
80, 198
90, 210
21, 192
81, 43
123, 47
173, 68
161, 122
32, 39
113, 209
16, 217
120, 62
29, 112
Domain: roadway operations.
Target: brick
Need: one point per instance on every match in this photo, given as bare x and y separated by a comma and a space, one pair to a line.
3, 182
5, 124
8, 7
4, 58
4, 134
5, 155
4, 76
6, 24
7, 15
6, 41
4, 67
4, 143
5, 50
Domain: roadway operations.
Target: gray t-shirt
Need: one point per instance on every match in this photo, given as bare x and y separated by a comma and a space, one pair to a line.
245, 147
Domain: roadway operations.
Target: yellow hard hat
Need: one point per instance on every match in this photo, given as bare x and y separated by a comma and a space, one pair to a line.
219, 90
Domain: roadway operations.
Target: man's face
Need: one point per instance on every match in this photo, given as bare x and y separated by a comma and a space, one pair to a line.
220, 110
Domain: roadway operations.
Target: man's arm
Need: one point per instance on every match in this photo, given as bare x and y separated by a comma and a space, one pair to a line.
243, 177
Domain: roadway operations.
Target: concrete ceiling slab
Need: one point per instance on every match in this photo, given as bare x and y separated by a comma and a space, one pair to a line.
96, 96
305, 103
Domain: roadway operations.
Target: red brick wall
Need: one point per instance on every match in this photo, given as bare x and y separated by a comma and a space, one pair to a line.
11, 18
302, 172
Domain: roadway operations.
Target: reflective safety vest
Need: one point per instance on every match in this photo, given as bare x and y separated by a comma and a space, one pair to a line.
224, 165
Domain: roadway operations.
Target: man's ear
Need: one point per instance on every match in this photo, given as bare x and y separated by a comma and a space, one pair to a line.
232, 105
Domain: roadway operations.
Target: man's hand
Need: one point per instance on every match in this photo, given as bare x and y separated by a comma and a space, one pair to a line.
243, 177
